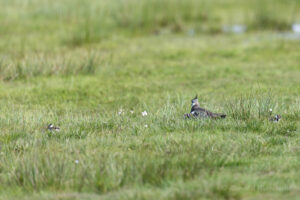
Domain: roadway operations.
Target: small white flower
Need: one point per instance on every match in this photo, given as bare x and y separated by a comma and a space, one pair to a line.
120, 112
271, 110
146, 126
144, 113
131, 111
76, 161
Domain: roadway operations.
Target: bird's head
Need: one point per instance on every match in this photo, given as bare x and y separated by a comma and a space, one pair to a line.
195, 101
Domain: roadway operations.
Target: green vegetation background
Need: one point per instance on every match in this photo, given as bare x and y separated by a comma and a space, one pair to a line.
77, 64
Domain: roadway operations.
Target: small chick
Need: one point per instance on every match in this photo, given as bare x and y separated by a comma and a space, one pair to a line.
51, 127
274, 119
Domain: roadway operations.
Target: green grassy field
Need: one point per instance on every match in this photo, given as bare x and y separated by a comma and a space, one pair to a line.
92, 67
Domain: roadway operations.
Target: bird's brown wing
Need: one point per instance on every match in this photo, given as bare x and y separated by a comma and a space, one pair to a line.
198, 111
215, 115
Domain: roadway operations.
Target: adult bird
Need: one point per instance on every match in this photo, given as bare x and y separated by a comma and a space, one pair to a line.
198, 112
